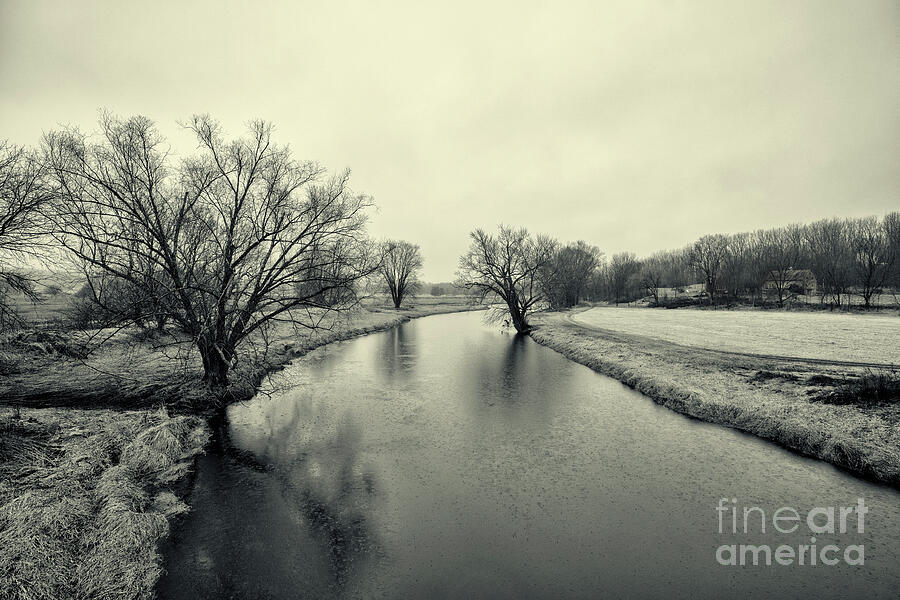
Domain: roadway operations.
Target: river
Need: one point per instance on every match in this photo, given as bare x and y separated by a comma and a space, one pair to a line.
446, 458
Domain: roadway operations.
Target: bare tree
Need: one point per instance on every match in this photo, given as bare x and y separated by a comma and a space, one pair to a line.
830, 257
736, 276
567, 275
235, 238
755, 266
707, 257
400, 263
676, 269
622, 269
891, 224
23, 197
781, 251
652, 274
507, 265
872, 257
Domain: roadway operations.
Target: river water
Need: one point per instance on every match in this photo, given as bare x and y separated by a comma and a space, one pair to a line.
445, 458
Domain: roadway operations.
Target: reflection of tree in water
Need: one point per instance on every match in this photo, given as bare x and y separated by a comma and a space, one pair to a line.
334, 494
516, 380
397, 352
508, 375
315, 458
516, 356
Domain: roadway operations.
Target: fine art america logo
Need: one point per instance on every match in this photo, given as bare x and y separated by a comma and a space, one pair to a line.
819, 521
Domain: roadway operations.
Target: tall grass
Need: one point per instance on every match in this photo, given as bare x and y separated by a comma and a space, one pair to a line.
873, 386
85, 498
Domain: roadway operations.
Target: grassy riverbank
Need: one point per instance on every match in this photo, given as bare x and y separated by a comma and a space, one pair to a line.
96, 449
84, 497
844, 415
135, 369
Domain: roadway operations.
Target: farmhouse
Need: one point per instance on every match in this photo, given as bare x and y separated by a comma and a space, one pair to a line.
692, 290
797, 281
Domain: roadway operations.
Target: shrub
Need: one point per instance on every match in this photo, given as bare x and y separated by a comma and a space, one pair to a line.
873, 386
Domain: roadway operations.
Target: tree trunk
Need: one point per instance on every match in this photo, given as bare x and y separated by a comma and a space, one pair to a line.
215, 364
711, 291
518, 318
520, 324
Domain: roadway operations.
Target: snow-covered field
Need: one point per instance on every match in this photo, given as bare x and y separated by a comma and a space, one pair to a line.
820, 335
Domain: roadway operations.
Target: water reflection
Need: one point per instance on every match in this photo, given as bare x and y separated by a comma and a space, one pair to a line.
303, 508
333, 491
503, 373
444, 459
514, 380
397, 353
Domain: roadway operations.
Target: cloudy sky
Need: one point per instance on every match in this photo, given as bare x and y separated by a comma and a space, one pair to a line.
635, 125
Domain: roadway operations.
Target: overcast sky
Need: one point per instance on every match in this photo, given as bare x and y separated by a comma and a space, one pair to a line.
634, 126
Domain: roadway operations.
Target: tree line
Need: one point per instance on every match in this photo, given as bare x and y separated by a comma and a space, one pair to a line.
832, 260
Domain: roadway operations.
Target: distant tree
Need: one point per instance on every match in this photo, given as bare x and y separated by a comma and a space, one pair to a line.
567, 274
781, 251
597, 285
437, 290
653, 275
677, 269
873, 260
755, 266
234, 238
141, 295
24, 194
830, 257
707, 257
891, 224
736, 272
507, 265
321, 271
400, 264
621, 272
106, 301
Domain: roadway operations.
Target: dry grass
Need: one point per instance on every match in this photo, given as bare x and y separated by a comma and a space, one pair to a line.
133, 371
874, 386
729, 390
85, 496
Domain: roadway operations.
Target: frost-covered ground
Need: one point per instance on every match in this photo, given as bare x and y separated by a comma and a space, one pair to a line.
819, 335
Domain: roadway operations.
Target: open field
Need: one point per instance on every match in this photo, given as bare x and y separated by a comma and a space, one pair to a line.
821, 410
55, 308
889, 299
421, 305
48, 310
850, 337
